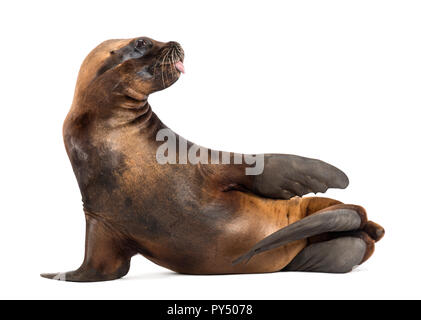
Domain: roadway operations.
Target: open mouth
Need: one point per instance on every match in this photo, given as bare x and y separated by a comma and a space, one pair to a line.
179, 66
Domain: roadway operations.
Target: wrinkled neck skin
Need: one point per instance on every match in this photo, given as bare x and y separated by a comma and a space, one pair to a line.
108, 110
127, 107
125, 115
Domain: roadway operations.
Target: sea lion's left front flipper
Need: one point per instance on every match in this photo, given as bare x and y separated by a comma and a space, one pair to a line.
285, 176
107, 255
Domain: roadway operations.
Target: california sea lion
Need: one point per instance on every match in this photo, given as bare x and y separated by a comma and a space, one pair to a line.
193, 218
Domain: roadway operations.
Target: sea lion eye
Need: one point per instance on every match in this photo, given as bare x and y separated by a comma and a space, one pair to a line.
140, 44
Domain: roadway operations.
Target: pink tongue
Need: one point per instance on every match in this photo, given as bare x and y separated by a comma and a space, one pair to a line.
180, 66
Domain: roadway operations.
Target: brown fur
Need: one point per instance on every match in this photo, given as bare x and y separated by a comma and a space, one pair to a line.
193, 219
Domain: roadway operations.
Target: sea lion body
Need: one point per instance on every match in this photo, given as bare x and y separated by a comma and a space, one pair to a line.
179, 215
190, 218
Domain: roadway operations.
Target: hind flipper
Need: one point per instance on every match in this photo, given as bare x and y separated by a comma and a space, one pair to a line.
374, 230
332, 219
339, 255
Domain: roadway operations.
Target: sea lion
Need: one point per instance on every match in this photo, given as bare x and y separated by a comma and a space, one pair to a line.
192, 218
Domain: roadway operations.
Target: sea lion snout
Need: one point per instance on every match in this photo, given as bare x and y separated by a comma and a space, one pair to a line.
172, 55
179, 52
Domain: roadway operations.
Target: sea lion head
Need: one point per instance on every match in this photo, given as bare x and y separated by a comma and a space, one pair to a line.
133, 68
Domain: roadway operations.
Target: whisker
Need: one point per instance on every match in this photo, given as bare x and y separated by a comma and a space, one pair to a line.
173, 71
165, 56
166, 61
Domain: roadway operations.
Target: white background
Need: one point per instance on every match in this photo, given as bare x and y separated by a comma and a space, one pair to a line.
334, 80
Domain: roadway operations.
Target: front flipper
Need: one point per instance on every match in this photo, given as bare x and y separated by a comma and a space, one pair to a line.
286, 176
107, 256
